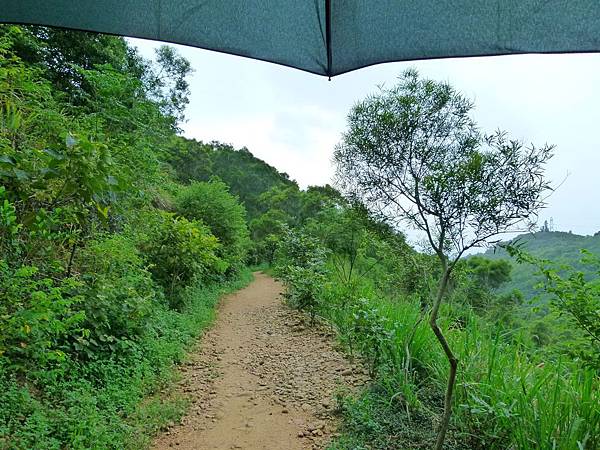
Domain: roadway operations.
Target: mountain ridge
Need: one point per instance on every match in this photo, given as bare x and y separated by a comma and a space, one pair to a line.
558, 246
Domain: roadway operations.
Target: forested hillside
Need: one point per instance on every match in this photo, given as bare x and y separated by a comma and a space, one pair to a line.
106, 274
118, 236
247, 176
557, 246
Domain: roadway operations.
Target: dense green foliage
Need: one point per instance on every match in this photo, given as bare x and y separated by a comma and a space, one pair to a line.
109, 401
301, 265
271, 200
574, 298
212, 204
101, 285
116, 235
247, 176
180, 252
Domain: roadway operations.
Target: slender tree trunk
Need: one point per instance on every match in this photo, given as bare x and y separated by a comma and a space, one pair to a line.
71, 258
451, 358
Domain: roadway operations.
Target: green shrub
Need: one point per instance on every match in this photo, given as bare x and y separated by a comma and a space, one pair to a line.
119, 294
9, 225
211, 203
38, 314
301, 266
266, 231
575, 297
180, 252
373, 333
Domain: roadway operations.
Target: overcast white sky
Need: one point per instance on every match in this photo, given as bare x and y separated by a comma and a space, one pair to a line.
293, 120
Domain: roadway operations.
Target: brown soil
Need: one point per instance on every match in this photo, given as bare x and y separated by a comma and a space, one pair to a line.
262, 378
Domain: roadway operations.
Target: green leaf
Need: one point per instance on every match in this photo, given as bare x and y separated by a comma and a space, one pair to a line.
49, 172
54, 154
102, 210
21, 174
6, 159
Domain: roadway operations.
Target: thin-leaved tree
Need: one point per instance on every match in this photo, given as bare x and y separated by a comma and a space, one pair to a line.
413, 154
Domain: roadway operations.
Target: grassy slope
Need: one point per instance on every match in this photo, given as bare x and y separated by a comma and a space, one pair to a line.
112, 402
503, 399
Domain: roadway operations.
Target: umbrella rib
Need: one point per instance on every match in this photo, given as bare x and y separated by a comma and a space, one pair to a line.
328, 35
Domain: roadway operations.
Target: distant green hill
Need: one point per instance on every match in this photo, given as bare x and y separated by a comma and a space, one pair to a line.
558, 246
246, 175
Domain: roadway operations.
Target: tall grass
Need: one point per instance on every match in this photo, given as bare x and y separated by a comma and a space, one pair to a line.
507, 397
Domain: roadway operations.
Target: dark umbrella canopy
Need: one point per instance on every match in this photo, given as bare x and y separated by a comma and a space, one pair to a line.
330, 37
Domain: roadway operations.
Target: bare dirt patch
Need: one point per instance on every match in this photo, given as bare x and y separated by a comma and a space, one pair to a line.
262, 378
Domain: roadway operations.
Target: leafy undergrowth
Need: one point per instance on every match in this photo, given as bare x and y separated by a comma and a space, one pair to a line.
110, 402
506, 397
371, 420
509, 392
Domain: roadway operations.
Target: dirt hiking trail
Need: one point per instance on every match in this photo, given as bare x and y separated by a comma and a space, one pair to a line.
261, 378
